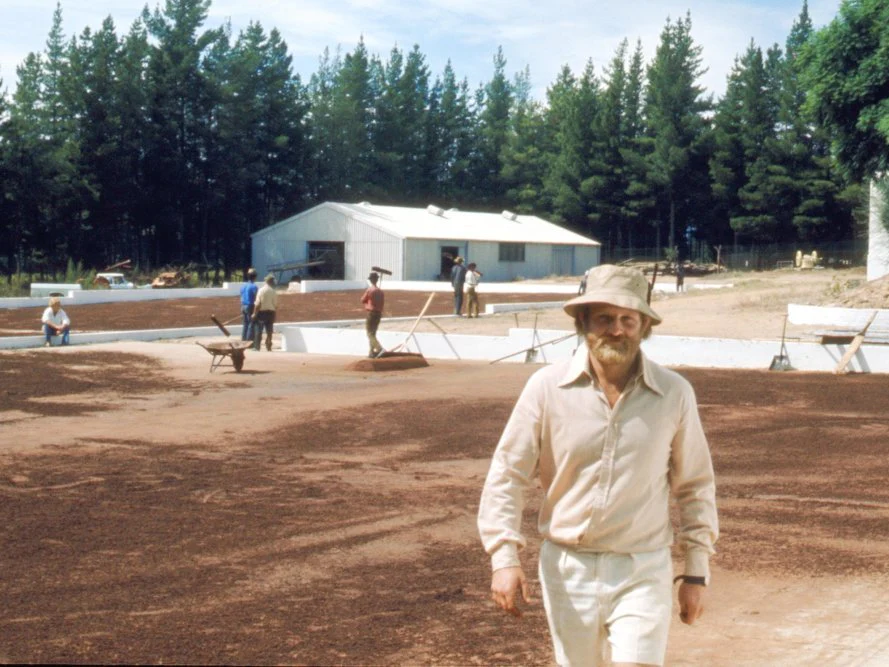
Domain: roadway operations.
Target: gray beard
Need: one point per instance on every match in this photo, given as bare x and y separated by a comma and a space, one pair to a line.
613, 353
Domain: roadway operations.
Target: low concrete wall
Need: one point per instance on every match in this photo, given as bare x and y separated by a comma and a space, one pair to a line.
87, 338
84, 297
353, 342
43, 290
753, 354
492, 308
674, 351
847, 318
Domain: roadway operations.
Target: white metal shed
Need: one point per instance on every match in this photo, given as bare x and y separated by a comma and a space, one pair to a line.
419, 243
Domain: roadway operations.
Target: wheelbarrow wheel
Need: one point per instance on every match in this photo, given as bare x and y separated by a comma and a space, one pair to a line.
238, 359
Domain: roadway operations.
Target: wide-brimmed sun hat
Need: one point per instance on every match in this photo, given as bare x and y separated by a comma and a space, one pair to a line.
617, 286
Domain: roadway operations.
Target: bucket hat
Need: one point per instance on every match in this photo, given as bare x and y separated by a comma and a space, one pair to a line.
617, 286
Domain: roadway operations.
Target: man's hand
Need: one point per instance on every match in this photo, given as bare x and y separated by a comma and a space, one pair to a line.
506, 584
691, 602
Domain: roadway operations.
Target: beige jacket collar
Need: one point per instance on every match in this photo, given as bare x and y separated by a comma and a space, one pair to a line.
580, 366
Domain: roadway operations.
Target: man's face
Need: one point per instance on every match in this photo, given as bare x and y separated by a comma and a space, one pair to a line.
614, 334
56, 307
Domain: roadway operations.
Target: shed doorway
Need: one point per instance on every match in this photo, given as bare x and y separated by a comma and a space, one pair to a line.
333, 254
448, 254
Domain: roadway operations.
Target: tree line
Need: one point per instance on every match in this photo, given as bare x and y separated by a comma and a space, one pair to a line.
172, 143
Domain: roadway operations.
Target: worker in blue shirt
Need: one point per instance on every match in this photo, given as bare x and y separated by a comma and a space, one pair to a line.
248, 298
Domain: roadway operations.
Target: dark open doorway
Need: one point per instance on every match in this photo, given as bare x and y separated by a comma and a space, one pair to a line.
448, 254
333, 254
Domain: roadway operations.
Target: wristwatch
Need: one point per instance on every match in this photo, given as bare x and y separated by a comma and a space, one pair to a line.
689, 579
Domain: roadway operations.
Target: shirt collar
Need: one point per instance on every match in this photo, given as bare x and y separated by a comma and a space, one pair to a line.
579, 366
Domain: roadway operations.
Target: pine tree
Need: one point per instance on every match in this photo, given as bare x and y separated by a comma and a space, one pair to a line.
400, 129
675, 108
819, 212
606, 187
743, 164
574, 106
639, 193
524, 165
181, 112
451, 132
349, 156
494, 104
323, 145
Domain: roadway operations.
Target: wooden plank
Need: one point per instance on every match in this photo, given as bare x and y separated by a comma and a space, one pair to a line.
836, 339
854, 346
414, 328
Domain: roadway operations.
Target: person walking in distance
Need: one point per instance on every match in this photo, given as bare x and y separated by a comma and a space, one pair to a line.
611, 435
248, 299
680, 276
458, 277
373, 299
264, 313
472, 278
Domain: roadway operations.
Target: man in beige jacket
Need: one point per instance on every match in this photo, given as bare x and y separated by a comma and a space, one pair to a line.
611, 435
264, 310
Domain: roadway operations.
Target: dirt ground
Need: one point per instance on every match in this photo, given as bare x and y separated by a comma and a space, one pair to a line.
300, 513
292, 307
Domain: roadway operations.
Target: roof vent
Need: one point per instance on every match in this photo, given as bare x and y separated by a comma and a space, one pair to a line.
364, 203
435, 210
509, 215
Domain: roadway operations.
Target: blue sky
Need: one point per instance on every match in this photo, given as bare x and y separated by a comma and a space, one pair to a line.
541, 35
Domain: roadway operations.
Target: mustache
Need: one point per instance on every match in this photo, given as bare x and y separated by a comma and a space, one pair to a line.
612, 341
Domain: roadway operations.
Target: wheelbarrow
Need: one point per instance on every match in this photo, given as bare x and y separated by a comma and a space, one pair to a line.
224, 349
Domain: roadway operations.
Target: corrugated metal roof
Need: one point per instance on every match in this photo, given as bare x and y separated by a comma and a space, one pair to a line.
437, 223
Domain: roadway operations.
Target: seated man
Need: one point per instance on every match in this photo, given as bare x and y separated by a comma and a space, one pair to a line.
55, 322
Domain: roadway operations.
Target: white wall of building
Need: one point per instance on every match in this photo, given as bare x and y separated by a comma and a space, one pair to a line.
365, 245
586, 257
423, 259
878, 236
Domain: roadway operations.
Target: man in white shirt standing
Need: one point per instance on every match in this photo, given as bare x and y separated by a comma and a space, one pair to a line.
473, 275
264, 310
611, 435
55, 322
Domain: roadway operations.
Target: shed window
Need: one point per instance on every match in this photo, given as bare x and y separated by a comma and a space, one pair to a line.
512, 252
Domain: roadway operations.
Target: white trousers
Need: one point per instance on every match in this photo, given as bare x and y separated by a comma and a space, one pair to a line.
600, 601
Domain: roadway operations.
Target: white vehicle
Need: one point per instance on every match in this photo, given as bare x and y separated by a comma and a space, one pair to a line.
113, 280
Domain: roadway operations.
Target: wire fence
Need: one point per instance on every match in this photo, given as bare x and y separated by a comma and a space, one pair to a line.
752, 257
